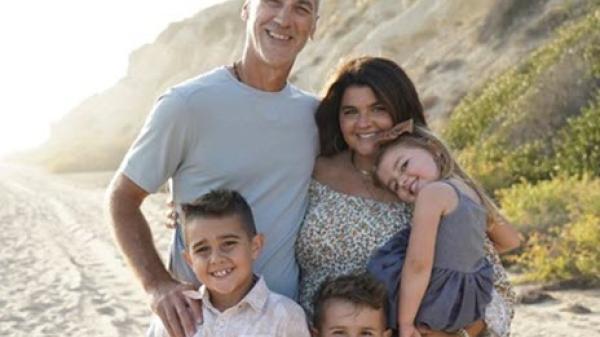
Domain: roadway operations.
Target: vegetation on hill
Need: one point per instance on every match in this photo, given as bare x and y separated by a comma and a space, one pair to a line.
532, 137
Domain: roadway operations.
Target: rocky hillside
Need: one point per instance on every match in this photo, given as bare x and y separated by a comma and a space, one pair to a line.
450, 49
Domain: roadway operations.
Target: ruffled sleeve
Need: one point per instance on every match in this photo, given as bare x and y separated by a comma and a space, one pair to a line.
500, 311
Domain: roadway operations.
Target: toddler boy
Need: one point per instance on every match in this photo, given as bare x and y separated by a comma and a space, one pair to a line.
352, 306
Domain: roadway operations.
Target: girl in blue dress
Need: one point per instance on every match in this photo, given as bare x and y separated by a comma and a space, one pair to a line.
436, 271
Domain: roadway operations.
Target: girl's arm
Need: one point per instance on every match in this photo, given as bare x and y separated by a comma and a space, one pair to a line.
432, 202
504, 236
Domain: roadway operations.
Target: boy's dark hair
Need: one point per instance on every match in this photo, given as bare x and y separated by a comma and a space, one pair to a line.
218, 204
360, 290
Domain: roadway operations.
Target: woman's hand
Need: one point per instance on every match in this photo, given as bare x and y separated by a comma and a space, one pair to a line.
503, 235
473, 329
170, 214
408, 330
426, 332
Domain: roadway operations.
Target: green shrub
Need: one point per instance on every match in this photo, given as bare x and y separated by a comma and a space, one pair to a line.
560, 219
583, 241
543, 258
479, 111
578, 146
592, 55
541, 206
570, 253
497, 167
509, 131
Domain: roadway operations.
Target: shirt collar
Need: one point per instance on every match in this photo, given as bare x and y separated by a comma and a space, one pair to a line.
256, 297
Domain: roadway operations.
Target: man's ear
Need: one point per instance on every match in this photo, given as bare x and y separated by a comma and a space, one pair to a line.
387, 333
314, 28
244, 13
315, 333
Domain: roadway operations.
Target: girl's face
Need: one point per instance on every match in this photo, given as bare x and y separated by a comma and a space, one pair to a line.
362, 116
405, 170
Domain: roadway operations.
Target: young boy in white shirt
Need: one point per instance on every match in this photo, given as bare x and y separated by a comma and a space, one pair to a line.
351, 306
221, 245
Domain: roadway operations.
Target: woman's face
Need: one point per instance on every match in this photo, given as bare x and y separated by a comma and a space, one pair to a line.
362, 116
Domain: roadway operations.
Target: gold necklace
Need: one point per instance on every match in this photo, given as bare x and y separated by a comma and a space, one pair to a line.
236, 72
375, 193
365, 173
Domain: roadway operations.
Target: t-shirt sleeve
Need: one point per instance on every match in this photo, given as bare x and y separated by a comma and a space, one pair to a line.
161, 145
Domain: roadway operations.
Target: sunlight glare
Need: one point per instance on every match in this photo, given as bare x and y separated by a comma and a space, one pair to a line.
57, 53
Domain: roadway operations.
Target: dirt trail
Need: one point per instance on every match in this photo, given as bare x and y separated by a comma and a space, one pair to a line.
62, 275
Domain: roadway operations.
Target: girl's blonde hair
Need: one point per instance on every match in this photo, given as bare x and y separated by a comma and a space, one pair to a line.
423, 138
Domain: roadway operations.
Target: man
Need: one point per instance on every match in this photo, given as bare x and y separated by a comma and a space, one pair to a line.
241, 127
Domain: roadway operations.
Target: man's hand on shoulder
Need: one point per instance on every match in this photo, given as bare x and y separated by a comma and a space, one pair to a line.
178, 312
170, 220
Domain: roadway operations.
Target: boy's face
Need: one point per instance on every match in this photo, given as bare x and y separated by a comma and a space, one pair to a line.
343, 318
221, 253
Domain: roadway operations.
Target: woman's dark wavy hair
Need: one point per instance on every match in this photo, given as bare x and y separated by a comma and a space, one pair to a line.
392, 87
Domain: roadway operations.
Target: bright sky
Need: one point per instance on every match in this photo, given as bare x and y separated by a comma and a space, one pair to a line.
56, 53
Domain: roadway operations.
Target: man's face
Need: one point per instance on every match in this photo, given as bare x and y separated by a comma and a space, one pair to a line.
277, 30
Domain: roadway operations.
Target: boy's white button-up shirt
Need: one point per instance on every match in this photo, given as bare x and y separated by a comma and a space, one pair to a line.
260, 313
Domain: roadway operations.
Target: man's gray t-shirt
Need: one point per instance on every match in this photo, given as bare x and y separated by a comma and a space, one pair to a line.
215, 132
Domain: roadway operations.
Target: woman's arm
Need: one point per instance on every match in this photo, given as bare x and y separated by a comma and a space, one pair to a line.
432, 202
504, 236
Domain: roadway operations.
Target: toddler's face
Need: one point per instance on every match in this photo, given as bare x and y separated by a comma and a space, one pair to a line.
344, 319
406, 170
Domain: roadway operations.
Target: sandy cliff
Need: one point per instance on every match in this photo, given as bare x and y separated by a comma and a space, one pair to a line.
449, 48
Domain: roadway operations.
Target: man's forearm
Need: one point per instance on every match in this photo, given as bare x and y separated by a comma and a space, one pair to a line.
134, 237
133, 234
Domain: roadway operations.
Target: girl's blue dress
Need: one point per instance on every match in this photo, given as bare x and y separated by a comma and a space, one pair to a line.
461, 280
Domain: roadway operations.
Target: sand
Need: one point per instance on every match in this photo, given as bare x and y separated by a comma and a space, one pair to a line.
62, 275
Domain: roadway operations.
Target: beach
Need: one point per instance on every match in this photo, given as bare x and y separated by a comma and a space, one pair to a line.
63, 275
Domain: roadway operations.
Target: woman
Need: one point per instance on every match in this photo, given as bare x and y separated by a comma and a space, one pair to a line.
348, 216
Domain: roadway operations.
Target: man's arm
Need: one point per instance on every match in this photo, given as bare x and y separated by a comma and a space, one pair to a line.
134, 237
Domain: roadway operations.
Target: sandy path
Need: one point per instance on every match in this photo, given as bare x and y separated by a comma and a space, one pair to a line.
550, 318
62, 275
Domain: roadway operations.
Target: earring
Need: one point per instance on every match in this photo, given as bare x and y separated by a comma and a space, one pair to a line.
336, 142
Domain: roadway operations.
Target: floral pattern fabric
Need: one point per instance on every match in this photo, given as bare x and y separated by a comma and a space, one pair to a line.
341, 231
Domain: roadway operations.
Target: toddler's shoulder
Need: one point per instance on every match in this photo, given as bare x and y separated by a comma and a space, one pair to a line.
438, 193
438, 190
